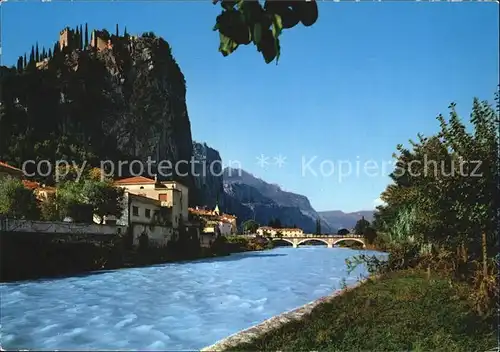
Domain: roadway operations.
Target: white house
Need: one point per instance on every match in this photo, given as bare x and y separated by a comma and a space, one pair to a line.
154, 208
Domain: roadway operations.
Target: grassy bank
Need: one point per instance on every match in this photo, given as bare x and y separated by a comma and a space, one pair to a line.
401, 311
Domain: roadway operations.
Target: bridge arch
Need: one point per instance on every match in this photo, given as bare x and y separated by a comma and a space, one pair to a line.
355, 239
313, 239
275, 239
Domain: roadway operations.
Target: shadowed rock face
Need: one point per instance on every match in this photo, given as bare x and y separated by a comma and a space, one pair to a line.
247, 197
255, 198
127, 102
208, 174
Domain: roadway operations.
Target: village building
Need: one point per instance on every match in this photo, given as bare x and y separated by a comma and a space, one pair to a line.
285, 232
215, 223
157, 209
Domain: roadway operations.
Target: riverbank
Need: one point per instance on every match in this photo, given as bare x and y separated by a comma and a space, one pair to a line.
401, 311
35, 256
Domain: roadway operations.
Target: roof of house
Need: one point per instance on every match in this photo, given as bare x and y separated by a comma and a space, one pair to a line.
136, 180
31, 184
207, 212
141, 180
142, 198
10, 167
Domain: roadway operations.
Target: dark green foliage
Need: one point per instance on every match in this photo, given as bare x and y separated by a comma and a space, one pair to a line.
318, 227
86, 42
19, 65
275, 223
143, 242
250, 226
80, 38
16, 201
361, 226
103, 197
441, 211
243, 22
49, 210
343, 232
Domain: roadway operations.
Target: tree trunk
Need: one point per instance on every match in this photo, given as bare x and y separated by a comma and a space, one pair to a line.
485, 254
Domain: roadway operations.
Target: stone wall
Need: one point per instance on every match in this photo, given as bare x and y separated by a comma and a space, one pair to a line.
55, 227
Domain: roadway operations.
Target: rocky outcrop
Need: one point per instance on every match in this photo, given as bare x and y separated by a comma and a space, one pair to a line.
126, 101
207, 174
252, 198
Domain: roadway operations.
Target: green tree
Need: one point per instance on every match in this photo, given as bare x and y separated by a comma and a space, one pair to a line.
250, 226
445, 188
343, 232
70, 202
80, 38
104, 198
318, 227
86, 43
361, 225
244, 22
17, 201
48, 209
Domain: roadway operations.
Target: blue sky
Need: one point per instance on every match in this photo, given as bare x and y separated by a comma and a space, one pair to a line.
364, 78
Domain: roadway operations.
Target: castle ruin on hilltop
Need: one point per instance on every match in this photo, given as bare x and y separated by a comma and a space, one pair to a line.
99, 39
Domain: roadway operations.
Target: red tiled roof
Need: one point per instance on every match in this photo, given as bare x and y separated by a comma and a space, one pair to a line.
137, 180
10, 167
30, 184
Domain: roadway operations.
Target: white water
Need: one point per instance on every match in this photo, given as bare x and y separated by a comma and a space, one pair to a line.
181, 306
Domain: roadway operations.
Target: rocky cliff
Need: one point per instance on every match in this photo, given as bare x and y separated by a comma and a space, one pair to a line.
207, 174
125, 101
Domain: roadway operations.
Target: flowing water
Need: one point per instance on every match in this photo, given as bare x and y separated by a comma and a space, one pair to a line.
180, 306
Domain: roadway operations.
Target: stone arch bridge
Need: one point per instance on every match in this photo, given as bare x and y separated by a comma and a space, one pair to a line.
330, 241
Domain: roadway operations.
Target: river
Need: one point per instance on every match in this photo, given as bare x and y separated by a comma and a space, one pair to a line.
180, 306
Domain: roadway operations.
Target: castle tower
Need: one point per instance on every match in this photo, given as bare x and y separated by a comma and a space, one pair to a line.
64, 37
216, 210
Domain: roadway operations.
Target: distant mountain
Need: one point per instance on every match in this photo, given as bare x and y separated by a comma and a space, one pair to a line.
252, 198
338, 219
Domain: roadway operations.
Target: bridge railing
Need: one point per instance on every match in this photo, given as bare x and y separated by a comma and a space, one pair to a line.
320, 236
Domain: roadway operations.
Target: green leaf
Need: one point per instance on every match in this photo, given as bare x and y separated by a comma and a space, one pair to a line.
257, 33
277, 25
227, 45
240, 4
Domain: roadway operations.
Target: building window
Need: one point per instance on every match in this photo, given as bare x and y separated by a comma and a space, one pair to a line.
135, 211
147, 212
